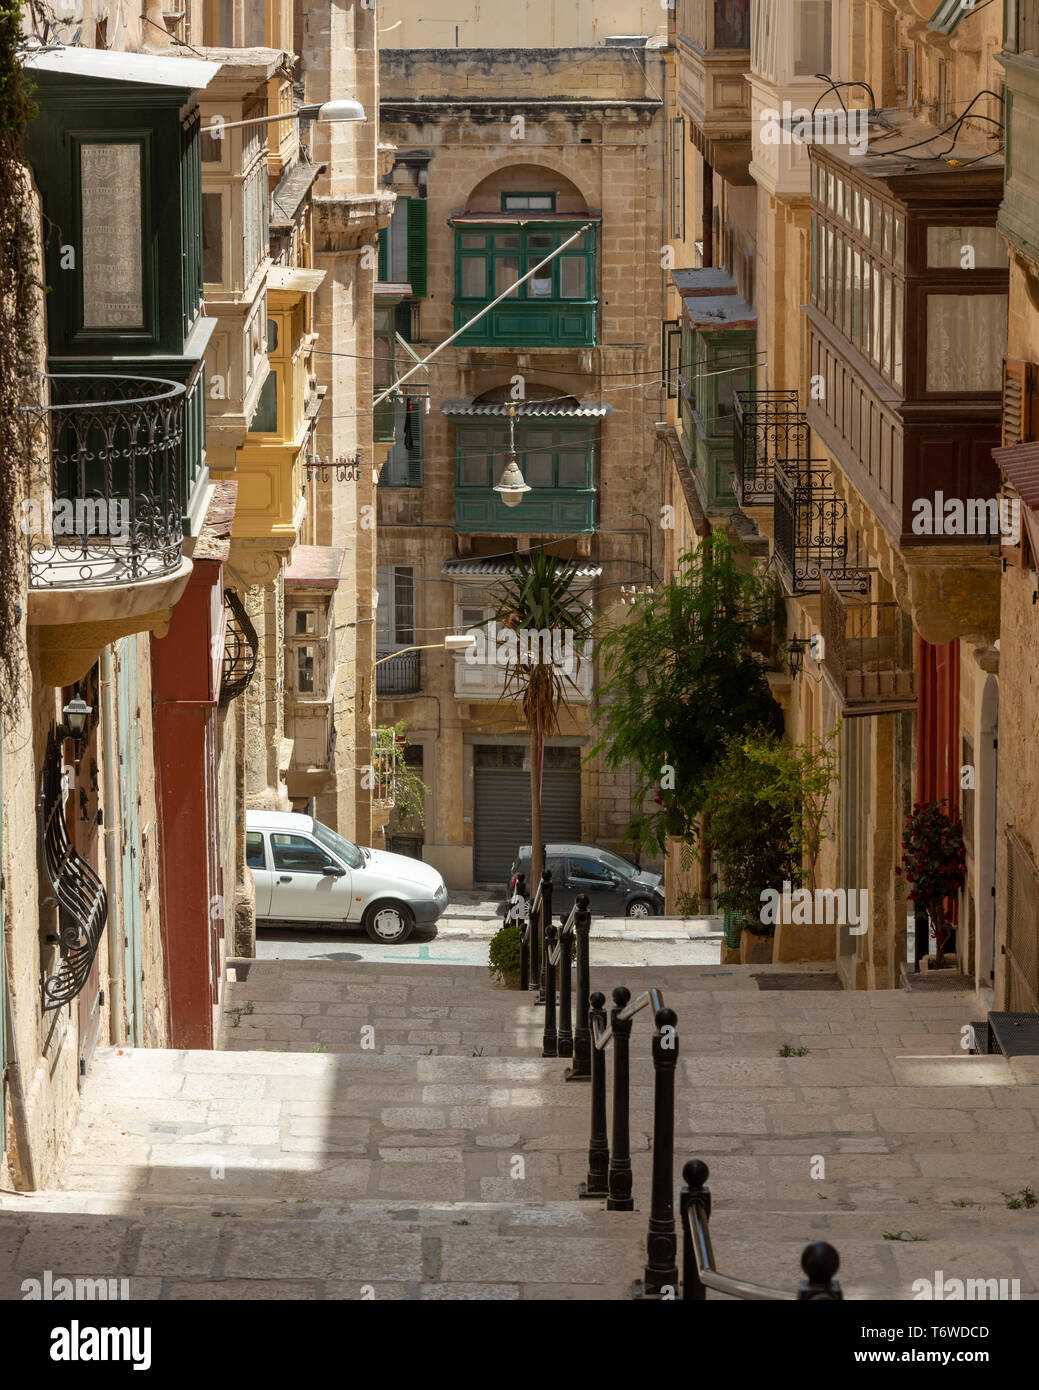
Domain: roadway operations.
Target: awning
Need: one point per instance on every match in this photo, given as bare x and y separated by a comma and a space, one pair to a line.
708, 280
1019, 464
464, 569
584, 410
719, 311
294, 280
314, 567
108, 65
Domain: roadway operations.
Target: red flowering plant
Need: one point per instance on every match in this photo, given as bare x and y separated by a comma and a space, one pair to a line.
935, 864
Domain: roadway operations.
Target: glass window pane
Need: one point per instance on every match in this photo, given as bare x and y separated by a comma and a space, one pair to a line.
540, 286
840, 197
865, 215
856, 300
474, 277
888, 219
896, 365
507, 241
572, 277
848, 291
112, 239
867, 294
471, 241
948, 246
212, 238
306, 658
878, 302
885, 360
900, 241
812, 37
573, 469
265, 420
306, 622
254, 855
966, 334
506, 273
857, 220
473, 470
829, 191
537, 469
540, 241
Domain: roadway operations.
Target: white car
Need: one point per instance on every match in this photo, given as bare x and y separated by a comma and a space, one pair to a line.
305, 872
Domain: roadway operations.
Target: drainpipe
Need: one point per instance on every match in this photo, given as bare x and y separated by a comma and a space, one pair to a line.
24, 1165
116, 945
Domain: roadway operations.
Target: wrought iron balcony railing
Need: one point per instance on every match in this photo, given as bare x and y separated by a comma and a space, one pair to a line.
401, 676
868, 648
76, 891
767, 427
241, 648
384, 766
114, 515
811, 529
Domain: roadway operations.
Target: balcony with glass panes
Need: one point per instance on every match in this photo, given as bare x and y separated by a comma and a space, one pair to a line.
480, 675
557, 308
557, 462
311, 578
1019, 214
712, 47
791, 42
271, 464
907, 328
718, 345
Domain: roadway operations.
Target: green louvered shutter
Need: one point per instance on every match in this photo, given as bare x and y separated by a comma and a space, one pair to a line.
384, 255
415, 453
417, 246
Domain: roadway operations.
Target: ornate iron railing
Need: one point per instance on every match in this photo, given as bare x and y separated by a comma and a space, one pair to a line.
867, 648
811, 530
384, 772
77, 892
767, 426
115, 502
400, 676
241, 649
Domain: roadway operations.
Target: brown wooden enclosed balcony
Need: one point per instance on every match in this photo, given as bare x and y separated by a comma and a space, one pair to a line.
811, 529
868, 647
106, 535
767, 428
713, 57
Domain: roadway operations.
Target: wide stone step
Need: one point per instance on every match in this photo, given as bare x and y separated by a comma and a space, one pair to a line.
430, 1251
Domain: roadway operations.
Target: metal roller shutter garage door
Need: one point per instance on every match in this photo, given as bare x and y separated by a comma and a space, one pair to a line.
501, 806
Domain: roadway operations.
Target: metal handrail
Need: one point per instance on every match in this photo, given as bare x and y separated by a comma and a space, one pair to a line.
819, 1261
567, 929
651, 996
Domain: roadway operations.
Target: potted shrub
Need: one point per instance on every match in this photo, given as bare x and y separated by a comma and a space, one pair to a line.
935, 864
752, 836
504, 955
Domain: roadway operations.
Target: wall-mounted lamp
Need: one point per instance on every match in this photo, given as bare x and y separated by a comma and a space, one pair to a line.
795, 654
76, 715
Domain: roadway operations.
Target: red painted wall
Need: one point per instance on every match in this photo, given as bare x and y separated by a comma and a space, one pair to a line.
185, 681
938, 723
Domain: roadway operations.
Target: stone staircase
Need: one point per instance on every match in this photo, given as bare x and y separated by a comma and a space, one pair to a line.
439, 1155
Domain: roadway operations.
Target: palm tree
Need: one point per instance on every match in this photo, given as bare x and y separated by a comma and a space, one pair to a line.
538, 596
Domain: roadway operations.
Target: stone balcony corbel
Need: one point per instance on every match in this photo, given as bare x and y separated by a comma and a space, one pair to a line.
348, 223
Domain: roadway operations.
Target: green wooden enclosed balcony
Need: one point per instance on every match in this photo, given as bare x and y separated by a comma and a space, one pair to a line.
555, 450
557, 308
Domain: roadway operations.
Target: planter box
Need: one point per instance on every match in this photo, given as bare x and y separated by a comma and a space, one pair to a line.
755, 950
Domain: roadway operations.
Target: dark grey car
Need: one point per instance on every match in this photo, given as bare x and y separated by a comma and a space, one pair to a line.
615, 888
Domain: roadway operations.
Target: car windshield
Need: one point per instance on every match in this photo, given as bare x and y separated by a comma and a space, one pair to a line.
347, 852
615, 862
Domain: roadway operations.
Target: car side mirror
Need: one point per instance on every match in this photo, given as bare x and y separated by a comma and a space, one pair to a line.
333, 871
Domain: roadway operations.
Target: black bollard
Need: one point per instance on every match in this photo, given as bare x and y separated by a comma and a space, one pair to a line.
661, 1243
598, 1144
546, 918
549, 1038
620, 1198
521, 889
820, 1263
581, 1070
694, 1194
565, 1044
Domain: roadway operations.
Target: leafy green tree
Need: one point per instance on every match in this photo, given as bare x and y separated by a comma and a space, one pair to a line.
409, 790
752, 828
800, 778
537, 596
683, 672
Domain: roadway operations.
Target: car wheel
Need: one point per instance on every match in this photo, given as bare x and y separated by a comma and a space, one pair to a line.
639, 908
389, 923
